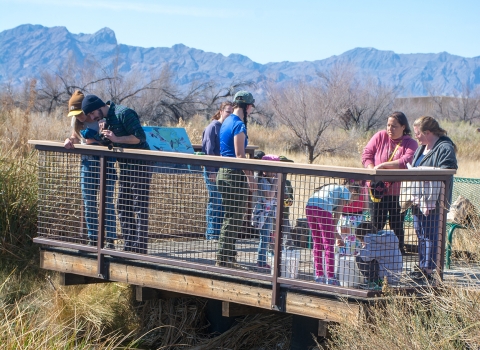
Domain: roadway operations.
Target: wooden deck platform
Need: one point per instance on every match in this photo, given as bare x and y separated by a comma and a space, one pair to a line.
253, 293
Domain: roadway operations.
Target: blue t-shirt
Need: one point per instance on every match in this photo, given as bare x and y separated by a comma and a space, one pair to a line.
419, 160
231, 127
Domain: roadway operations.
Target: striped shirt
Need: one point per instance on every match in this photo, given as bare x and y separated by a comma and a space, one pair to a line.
124, 121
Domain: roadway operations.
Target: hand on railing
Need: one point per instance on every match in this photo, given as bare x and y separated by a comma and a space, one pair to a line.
68, 144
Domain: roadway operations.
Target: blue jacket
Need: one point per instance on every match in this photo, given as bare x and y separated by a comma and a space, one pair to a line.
442, 155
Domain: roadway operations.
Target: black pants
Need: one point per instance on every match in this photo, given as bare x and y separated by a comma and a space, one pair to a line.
389, 208
132, 205
369, 269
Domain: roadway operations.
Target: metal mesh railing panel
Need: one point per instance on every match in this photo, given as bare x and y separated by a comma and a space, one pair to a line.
332, 231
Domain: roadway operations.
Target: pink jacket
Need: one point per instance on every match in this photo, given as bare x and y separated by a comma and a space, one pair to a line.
379, 149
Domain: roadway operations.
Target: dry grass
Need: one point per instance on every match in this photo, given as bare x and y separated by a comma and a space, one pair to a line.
17, 127
445, 318
49, 316
38, 313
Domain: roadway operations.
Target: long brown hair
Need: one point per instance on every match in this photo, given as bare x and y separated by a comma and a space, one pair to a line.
425, 123
216, 116
77, 126
403, 121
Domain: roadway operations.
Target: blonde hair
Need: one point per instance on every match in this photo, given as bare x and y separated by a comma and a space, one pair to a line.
77, 126
427, 123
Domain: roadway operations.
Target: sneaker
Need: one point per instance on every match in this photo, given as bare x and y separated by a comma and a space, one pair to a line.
332, 282
320, 279
230, 262
420, 275
263, 268
371, 286
109, 244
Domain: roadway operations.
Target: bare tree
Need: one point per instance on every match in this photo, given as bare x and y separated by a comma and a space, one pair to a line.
308, 111
367, 106
442, 104
466, 104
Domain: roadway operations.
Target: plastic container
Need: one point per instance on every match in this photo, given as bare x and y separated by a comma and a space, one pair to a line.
289, 264
349, 274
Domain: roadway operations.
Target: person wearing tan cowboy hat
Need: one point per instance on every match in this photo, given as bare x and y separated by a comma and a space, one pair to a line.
90, 176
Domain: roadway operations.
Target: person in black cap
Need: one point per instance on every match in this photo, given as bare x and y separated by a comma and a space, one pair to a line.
123, 128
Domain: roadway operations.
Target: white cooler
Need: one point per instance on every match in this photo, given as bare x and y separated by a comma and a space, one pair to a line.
289, 264
348, 272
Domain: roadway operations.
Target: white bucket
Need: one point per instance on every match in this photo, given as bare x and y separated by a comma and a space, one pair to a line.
289, 264
349, 274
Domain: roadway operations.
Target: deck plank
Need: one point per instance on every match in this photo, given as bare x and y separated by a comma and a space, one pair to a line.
323, 308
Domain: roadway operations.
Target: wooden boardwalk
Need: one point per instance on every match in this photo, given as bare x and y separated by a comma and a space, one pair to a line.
81, 268
203, 252
463, 274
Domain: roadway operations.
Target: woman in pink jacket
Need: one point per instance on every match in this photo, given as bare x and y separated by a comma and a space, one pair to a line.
392, 148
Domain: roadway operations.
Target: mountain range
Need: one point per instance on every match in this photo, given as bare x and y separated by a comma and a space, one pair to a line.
28, 50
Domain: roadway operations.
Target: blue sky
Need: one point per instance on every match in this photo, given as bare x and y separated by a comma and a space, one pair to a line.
266, 30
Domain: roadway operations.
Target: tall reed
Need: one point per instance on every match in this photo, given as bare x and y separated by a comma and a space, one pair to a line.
18, 210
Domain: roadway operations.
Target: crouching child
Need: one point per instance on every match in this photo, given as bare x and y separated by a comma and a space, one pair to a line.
379, 258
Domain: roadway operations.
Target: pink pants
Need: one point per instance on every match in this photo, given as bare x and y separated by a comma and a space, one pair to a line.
323, 235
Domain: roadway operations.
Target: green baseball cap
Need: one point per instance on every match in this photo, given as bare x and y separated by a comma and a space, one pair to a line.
245, 97
285, 159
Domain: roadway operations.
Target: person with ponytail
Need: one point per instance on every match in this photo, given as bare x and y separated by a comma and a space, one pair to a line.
436, 150
233, 183
211, 146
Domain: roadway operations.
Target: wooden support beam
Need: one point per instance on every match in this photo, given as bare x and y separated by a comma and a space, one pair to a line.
233, 309
257, 296
323, 329
70, 279
145, 293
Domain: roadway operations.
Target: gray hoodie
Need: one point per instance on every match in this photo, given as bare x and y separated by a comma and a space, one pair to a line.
383, 247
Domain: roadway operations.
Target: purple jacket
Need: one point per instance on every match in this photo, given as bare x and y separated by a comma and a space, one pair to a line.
379, 149
211, 140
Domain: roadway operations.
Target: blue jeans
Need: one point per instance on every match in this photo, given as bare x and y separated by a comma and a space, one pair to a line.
214, 214
265, 238
90, 186
426, 228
